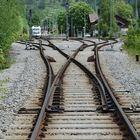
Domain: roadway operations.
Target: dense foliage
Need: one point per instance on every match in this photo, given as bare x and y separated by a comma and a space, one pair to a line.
124, 10
79, 13
107, 22
78, 17
11, 26
132, 42
15, 14
61, 19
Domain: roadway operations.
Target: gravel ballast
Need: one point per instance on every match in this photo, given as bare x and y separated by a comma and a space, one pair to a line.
18, 83
123, 68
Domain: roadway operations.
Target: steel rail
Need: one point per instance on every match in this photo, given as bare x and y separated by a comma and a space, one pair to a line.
35, 44
127, 122
94, 43
97, 82
94, 78
49, 96
102, 44
86, 45
50, 76
60, 74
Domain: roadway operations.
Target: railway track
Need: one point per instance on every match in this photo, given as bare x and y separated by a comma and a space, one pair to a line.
80, 118
76, 107
27, 115
123, 117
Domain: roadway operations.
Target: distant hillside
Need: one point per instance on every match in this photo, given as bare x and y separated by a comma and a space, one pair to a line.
48, 9
42, 4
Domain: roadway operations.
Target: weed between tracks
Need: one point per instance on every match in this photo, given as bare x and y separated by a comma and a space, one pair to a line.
132, 51
3, 88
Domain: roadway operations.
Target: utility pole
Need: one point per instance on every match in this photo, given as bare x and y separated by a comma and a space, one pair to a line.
84, 24
30, 20
99, 16
74, 32
111, 16
136, 12
95, 5
71, 23
67, 19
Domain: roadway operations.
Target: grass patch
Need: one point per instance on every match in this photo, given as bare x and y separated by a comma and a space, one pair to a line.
132, 42
3, 88
6, 63
132, 51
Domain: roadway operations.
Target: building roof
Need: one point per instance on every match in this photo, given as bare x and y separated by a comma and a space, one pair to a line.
121, 21
93, 18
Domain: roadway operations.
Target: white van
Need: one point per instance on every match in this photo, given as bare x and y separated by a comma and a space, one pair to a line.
36, 31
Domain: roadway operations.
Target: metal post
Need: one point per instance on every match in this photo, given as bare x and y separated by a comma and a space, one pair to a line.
74, 32
84, 32
61, 32
71, 26
67, 20
111, 12
84, 24
48, 25
40, 43
137, 16
137, 57
98, 24
95, 5
30, 20
67, 28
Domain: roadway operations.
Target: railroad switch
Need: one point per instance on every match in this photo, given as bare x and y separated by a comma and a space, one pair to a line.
83, 47
55, 108
135, 108
137, 57
91, 58
42, 135
44, 129
99, 108
29, 46
28, 111
51, 59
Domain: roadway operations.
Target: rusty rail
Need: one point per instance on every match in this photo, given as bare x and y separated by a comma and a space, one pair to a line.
49, 80
48, 98
94, 78
59, 77
118, 109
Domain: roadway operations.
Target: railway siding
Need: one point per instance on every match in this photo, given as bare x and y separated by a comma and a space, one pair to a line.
75, 110
23, 82
80, 118
121, 72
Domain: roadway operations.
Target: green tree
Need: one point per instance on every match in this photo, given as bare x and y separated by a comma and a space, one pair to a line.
79, 13
35, 19
124, 10
107, 18
61, 20
78, 16
11, 25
